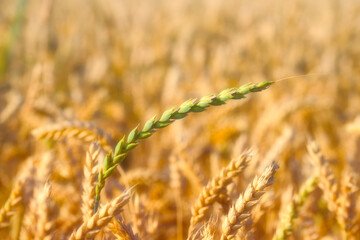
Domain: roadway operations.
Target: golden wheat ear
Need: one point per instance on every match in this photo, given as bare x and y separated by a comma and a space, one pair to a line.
347, 205
7, 211
216, 188
17, 194
327, 181
101, 218
121, 230
89, 183
85, 131
241, 210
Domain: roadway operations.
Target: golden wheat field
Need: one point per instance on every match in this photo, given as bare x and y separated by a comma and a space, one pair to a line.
181, 120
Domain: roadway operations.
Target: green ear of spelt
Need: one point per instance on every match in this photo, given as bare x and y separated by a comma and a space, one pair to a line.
128, 143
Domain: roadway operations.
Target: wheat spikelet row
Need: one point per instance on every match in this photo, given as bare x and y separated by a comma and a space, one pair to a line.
215, 188
144, 176
326, 177
16, 195
347, 202
338, 204
208, 232
85, 131
139, 216
89, 181
248, 231
144, 218
14, 199
101, 218
40, 206
287, 221
121, 230
244, 204
44, 224
176, 185
168, 117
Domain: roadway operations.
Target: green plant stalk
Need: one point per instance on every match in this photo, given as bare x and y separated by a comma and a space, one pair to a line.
286, 228
125, 145
12, 36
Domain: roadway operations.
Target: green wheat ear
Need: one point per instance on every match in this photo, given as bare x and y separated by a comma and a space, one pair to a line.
128, 143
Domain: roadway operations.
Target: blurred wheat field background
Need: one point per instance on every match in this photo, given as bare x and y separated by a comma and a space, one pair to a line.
77, 76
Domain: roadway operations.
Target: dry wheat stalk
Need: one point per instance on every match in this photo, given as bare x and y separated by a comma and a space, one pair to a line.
145, 221
205, 231
40, 203
45, 169
84, 131
208, 232
347, 208
225, 198
121, 230
89, 181
139, 216
44, 223
279, 145
217, 186
276, 149
196, 169
265, 204
101, 218
285, 228
244, 204
189, 166
144, 176
327, 181
187, 170
309, 230
152, 224
14, 100
248, 230
17, 193
175, 176
28, 230
13, 201
176, 186
192, 105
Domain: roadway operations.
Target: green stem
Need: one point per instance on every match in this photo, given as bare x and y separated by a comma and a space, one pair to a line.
285, 229
124, 146
11, 36
96, 204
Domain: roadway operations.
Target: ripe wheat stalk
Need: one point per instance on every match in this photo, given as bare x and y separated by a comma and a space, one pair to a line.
216, 188
84, 131
101, 218
89, 181
241, 210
